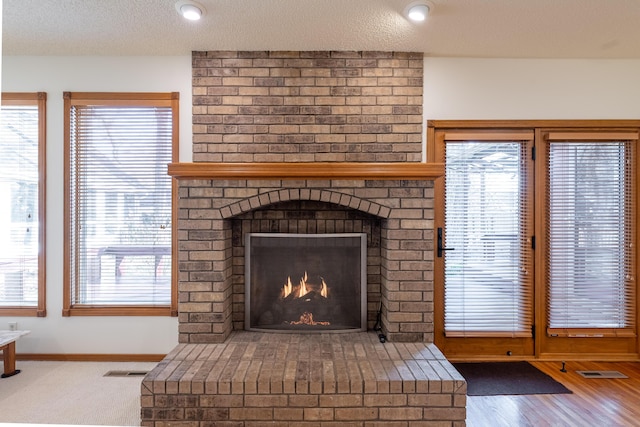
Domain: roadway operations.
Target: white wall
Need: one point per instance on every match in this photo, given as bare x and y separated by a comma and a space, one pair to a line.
477, 89
55, 334
455, 89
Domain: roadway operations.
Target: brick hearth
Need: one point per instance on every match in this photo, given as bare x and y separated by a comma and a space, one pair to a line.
258, 379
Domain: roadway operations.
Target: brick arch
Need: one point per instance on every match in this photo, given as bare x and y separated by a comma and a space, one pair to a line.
286, 195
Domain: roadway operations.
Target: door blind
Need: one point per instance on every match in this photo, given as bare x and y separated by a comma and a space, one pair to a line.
590, 234
121, 204
488, 277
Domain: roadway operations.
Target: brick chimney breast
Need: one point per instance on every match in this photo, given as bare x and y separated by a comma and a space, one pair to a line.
307, 106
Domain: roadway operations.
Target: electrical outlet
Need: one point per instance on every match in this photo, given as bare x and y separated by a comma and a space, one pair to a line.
13, 326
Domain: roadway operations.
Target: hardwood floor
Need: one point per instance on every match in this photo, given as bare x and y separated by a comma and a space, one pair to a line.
594, 402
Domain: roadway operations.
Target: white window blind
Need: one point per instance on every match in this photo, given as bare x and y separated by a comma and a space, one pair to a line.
591, 231
120, 204
19, 192
488, 277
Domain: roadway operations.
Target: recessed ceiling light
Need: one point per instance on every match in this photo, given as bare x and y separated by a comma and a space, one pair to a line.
418, 11
190, 10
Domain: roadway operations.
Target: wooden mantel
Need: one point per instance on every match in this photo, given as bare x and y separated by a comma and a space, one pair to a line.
372, 171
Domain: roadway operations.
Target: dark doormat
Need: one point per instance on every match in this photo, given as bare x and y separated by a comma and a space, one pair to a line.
499, 378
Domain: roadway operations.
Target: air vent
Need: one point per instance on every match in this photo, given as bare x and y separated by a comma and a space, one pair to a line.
126, 374
602, 374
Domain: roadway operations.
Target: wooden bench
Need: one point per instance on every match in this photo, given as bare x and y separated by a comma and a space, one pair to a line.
8, 347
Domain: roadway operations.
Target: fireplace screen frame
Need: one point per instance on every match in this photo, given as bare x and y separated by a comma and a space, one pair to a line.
363, 282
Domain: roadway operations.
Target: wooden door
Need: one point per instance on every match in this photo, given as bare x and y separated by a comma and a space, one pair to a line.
484, 295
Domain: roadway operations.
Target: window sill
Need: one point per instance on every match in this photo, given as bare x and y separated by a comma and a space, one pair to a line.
94, 310
22, 311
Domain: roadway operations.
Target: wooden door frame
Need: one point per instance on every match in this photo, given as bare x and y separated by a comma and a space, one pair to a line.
433, 155
502, 348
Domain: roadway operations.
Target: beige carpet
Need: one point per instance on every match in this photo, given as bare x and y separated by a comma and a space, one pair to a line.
72, 393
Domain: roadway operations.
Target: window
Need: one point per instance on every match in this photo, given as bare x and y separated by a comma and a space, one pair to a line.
119, 238
22, 201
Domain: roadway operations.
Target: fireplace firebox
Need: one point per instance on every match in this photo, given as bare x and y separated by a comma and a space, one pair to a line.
305, 282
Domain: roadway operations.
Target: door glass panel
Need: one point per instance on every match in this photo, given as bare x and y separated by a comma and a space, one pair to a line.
590, 262
488, 283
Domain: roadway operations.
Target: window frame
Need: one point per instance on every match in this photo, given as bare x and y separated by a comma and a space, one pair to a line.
146, 99
38, 99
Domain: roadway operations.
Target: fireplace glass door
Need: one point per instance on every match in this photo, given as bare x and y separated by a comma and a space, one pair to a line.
305, 282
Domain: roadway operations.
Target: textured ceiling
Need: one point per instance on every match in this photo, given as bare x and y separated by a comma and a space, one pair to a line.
455, 28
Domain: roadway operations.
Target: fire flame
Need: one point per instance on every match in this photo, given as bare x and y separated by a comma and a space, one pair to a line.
287, 288
302, 291
304, 287
324, 291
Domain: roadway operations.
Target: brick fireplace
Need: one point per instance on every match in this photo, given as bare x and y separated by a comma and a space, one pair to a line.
313, 143
215, 215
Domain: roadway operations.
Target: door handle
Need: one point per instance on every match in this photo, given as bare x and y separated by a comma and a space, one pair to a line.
440, 247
